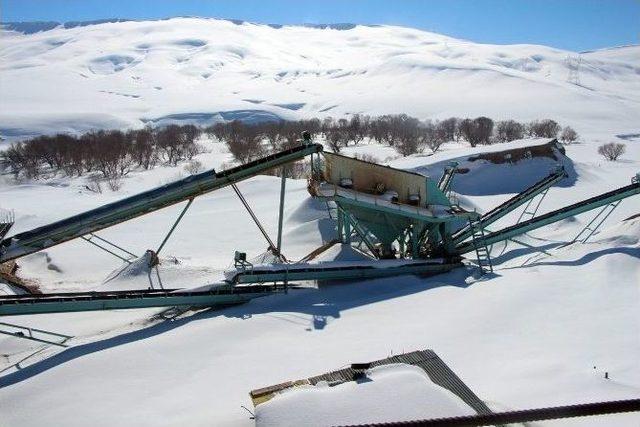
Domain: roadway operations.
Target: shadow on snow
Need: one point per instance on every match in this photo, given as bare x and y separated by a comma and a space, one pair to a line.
321, 304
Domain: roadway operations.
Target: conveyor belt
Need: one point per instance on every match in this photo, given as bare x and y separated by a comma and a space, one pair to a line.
140, 204
13, 305
554, 216
294, 272
513, 203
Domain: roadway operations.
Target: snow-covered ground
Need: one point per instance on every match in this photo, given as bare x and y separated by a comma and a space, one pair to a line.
542, 331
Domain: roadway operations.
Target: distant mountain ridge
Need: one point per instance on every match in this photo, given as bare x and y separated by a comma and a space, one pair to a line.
32, 27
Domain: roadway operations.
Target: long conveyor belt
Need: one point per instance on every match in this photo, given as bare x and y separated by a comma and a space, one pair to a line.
242, 287
513, 203
335, 271
140, 204
554, 216
13, 305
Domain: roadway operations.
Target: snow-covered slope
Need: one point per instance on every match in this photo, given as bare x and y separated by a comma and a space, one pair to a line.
126, 74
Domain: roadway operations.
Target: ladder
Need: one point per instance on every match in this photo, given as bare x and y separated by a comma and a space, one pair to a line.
482, 252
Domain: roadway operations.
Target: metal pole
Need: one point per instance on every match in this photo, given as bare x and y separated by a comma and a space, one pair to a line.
254, 217
175, 224
88, 240
283, 182
113, 244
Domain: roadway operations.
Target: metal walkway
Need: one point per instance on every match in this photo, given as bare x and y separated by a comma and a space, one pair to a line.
140, 204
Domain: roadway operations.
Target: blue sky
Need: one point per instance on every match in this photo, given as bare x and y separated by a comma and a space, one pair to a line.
568, 24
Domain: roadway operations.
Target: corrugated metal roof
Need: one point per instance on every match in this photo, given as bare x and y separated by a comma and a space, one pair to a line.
427, 360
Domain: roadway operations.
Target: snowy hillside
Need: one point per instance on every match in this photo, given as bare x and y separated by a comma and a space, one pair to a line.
542, 331
126, 74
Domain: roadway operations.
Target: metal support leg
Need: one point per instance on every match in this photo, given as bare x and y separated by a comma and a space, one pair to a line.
272, 247
33, 334
175, 224
95, 236
283, 182
590, 228
532, 213
88, 240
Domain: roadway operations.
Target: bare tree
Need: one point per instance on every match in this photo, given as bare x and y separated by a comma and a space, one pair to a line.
612, 150
143, 148
169, 141
272, 132
20, 160
244, 143
406, 134
477, 131
544, 128
111, 154
337, 138
509, 130
568, 135
448, 128
377, 130
431, 135
356, 128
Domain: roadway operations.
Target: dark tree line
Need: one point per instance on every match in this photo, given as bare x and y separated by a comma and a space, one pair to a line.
406, 134
111, 153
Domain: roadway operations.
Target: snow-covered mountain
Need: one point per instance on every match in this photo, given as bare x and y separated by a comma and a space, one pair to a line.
125, 74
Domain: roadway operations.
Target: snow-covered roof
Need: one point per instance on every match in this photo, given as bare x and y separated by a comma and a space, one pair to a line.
404, 387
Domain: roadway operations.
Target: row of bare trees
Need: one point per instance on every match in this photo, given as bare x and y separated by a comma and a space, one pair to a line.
406, 134
111, 153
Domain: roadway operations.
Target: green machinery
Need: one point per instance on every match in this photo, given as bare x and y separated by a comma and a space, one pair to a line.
400, 214
406, 222
144, 203
394, 213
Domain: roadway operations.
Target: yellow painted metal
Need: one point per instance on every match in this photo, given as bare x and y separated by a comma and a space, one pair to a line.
367, 176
